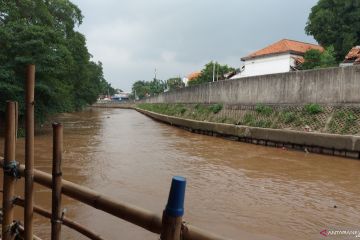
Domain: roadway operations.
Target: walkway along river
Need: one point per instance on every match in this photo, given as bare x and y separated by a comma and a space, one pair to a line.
238, 190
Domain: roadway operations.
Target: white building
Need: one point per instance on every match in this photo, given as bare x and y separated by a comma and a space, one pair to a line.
282, 56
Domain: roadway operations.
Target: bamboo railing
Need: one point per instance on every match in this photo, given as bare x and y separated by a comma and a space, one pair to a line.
170, 226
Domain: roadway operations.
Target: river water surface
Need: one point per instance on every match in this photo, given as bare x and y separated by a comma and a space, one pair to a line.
237, 190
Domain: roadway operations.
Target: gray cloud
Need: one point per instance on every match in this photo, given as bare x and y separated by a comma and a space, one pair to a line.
177, 37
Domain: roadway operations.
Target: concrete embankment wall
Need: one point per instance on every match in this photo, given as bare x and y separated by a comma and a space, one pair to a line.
113, 105
331, 144
324, 86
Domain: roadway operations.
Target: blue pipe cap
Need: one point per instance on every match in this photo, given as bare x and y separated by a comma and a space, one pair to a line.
175, 204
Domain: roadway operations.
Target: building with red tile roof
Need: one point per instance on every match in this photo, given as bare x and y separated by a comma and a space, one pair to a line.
353, 57
192, 76
282, 56
284, 46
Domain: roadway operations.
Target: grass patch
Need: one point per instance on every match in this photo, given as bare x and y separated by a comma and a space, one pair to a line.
342, 122
313, 109
288, 117
215, 108
264, 110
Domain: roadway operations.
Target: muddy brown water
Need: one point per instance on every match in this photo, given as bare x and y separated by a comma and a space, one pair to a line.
238, 190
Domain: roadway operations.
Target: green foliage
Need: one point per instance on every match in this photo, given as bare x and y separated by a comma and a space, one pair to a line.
263, 123
249, 119
337, 23
342, 122
288, 117
312, 59
142, 89
42, 33
199, 111
349, 119
207, 73
328, 58
175, 83
315, 59
262, 109
157, 86
215, 108
163, 108
313, 109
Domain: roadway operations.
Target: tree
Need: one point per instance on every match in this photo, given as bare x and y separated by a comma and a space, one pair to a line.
312, 59
157, 86
316, 59
42, 32
141, 89
328, 58
175, 83
207, 73
337, 23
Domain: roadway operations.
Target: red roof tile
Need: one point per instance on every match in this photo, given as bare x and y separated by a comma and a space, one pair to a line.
353, 55
284, 46
193, 75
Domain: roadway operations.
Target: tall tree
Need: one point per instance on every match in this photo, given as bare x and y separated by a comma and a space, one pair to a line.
42, 32
141, 89
175, 83
337, 23
157, 86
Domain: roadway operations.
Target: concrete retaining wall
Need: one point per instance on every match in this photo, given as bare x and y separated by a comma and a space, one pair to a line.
114, 105
340, 145
324, 86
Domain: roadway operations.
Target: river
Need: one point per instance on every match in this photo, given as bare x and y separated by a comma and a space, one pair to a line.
237, 190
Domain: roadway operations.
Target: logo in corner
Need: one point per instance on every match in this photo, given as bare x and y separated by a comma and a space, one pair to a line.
324, 233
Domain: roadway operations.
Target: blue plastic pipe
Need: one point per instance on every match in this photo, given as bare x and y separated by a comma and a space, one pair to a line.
175, 204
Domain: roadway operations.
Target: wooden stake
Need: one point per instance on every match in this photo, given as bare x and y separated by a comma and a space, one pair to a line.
171, 227
56, 181
9, 161
29, 152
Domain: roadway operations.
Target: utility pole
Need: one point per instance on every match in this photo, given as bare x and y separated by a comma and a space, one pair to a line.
214, 71
155, 74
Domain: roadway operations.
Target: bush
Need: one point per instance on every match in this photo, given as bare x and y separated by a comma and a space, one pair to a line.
288, 117
263, 123
313, 109
249, 119
262, 109
216, 108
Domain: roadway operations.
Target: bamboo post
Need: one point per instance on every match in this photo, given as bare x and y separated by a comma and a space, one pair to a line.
9, 163
29, 152
172, 215
56, 181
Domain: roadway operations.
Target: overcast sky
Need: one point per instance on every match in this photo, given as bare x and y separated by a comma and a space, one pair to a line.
133, 37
